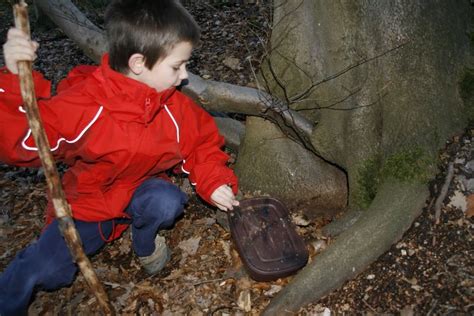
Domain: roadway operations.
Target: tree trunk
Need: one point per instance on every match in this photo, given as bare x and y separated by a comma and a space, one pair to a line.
396, 101
380, 78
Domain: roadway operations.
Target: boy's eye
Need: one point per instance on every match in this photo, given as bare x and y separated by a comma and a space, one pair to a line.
177, 67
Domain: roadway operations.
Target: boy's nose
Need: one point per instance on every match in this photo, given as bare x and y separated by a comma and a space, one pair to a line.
183, 74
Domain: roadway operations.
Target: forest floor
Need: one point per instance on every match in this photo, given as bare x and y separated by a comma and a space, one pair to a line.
429, 271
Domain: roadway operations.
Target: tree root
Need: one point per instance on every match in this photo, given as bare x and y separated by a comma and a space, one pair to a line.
342, 224
392, 212
232, 130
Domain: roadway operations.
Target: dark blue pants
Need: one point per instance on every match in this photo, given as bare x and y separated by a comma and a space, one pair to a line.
47, 263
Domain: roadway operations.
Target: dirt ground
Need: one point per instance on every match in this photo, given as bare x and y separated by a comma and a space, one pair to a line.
428, 272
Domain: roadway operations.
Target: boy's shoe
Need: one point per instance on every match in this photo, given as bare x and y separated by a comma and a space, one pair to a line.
158, 259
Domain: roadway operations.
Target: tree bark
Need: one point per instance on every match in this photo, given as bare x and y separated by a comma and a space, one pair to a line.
404, 99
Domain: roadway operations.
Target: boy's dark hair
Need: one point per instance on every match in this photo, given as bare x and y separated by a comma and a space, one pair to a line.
147, 27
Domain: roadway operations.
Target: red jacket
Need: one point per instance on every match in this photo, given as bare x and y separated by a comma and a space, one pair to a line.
114, 133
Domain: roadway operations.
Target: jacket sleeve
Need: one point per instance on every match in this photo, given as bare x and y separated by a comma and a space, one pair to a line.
63, 123
205, 162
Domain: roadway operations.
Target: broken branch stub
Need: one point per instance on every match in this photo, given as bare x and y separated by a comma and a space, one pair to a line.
62, 209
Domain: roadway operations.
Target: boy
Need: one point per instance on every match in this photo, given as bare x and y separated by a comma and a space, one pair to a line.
118, 127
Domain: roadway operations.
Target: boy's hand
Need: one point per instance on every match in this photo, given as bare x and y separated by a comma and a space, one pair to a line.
18, 47
224, 198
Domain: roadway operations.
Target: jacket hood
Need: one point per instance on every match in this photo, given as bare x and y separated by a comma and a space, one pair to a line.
126, 98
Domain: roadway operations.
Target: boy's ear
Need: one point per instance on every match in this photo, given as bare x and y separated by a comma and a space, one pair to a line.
136, 63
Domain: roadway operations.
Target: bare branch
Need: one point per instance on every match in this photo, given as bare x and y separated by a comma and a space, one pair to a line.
287, 14
225, 97
76, 26
331, 106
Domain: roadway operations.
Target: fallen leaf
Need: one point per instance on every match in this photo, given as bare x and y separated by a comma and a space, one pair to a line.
417, 287
458, 200
319, 245
407, 311
232, 62
470, 206
207, 221
226, 247
274, 289
175, 274
190, 246
244, 301
299, 220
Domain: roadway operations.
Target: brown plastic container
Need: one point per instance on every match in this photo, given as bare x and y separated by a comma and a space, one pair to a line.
266, 239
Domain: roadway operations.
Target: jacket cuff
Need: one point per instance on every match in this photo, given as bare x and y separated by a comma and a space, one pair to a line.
5, 71
206, 191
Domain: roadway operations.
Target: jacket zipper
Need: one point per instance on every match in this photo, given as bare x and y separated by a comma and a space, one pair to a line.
147, 111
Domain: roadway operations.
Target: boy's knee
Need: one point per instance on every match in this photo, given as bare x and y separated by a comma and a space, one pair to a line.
159, 199
156, 192
49, 272
53, 279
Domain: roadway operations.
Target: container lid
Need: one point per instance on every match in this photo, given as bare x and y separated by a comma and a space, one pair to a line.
266, 239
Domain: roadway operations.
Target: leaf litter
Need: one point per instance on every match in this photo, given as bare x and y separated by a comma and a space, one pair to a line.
430, 271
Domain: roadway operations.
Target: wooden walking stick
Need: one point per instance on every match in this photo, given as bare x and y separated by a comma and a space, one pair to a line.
62, 209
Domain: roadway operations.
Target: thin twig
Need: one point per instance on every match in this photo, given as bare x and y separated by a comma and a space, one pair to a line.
369, 306
361, 62
444, 191
209, 281
433, 306
220, 308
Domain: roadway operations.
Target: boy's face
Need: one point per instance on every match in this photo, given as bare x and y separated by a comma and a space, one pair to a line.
169, 71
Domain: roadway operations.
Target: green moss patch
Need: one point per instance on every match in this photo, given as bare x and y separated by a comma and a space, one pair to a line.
467, 93
411, 165
367, 183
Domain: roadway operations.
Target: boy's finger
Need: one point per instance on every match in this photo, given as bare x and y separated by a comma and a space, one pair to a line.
16, 36
23, 56
221, 207
20, 45
16, 32
224, 203
227, 191
19, 49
